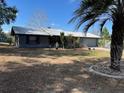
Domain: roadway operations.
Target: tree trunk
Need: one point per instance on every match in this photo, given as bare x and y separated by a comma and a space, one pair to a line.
116, 47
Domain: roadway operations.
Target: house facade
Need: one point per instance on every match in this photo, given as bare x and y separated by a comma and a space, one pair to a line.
47, 37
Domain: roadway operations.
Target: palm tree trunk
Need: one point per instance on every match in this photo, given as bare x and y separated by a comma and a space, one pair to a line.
116, 47
63, 45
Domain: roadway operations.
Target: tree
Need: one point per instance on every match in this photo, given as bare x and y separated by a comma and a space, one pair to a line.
7, 14
105, 37
38, 20
62, 38
100, 11
77, 42
3, 36
71, 41
9, 39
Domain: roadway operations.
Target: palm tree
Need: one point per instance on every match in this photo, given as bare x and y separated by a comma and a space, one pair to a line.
100, 11
7, 14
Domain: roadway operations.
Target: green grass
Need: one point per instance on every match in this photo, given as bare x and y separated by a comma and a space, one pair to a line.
98, 53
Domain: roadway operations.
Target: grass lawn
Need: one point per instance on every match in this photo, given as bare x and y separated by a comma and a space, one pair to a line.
8, 54
53, 71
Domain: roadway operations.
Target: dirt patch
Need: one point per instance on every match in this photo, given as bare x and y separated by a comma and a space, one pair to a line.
51, 71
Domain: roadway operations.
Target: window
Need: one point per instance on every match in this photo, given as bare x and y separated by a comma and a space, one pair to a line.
32, 38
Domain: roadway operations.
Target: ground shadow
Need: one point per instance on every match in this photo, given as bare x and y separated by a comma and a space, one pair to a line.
54, 78
38, 53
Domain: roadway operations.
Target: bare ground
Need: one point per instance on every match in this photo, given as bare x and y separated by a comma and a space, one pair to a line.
51, 71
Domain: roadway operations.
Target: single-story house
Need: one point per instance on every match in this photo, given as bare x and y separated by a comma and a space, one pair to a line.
46, 37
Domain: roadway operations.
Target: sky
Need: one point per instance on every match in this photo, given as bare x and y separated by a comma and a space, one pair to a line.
58, 13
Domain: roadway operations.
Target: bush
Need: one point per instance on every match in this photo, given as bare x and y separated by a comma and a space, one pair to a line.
77, 42
10, 40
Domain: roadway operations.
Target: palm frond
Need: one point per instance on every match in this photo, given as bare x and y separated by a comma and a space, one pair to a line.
90, 11
90, 23
102, 24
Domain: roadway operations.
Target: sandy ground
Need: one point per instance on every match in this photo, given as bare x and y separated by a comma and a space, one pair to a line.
51, 71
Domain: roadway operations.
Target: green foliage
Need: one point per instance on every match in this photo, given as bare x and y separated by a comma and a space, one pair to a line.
8, 14
90, 12
0, 30
10, 39
105, 37
6, 37
69, 40
62, 38
3, 36
100, 11
72, 42
105, 33
77, 42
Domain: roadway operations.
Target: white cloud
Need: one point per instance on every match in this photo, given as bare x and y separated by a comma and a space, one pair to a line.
53, 24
